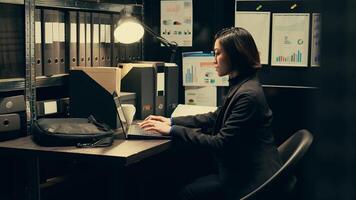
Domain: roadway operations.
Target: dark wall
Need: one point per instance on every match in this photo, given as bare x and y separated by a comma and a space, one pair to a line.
333, 174
12, 38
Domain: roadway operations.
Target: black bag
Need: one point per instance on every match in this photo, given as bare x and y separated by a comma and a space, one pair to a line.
80, 132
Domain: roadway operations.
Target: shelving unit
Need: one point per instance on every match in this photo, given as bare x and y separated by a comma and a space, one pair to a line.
30, 82
30, 76
21, 2
12, 84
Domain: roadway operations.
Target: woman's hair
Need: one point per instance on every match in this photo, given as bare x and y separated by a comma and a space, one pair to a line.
241, 49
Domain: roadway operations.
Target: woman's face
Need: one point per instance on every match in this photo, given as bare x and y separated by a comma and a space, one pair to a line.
222, 60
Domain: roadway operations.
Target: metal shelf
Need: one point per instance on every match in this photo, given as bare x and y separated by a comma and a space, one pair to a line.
81, 5
290, 87
12, 84
21, 2
56, 80
16, 84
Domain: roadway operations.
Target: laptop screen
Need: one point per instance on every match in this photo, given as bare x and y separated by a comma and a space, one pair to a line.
120, 114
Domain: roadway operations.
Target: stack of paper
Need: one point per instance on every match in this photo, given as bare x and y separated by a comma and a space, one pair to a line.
184, 110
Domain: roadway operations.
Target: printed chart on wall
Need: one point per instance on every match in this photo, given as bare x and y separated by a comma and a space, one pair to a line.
258, 24
177, 22
199, 70
315, 40
290, 42
203, 96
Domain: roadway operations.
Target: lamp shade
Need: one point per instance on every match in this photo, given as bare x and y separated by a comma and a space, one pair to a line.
128, 30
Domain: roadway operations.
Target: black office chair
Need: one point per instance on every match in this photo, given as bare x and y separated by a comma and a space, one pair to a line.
281, 184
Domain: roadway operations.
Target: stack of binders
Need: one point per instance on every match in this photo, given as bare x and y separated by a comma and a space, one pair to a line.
155, 85
12, 117
89, 39
53, 43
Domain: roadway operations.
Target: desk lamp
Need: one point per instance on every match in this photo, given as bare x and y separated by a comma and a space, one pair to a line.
130, 30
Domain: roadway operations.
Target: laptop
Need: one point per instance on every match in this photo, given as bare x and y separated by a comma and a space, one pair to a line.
134, 131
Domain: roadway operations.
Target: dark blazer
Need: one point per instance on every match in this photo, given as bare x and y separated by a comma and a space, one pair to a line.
242, 141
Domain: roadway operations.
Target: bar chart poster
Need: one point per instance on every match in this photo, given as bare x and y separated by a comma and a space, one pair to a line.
315, 40
199, 70
290, 39
258, 24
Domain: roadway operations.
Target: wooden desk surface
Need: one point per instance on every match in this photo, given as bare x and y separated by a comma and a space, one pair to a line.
125, 151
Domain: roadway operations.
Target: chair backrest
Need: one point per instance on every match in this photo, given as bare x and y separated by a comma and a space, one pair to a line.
294, 148
291, 151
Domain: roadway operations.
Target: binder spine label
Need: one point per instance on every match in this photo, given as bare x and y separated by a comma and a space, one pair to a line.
73, 30
61, 29
48, 33
38, 34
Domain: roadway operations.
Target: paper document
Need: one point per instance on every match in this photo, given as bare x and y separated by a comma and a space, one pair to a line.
202, 96
50, 107
185, 110
177, 22
290, 39
258, 24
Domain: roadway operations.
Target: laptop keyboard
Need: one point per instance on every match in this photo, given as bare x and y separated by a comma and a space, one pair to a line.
135, 129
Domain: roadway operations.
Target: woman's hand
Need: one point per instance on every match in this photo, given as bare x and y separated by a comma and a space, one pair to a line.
159, 118
155, 126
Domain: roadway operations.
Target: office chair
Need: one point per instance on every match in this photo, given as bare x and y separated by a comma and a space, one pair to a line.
281, 184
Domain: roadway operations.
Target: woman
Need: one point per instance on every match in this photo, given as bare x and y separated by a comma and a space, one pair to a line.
241, 141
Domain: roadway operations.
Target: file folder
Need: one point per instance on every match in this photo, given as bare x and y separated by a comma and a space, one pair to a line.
12, 104
38, 43
119, 50
10, 122
103, 18
107, 21
171, 87
56, 46
159, 76
49, 65
12, 125
108, 43
140, 79
81, 31
73, 38
61, 42
88, 39
96, 39
91, 93
108, 77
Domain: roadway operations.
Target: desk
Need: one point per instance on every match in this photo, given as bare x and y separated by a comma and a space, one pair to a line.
121, 153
